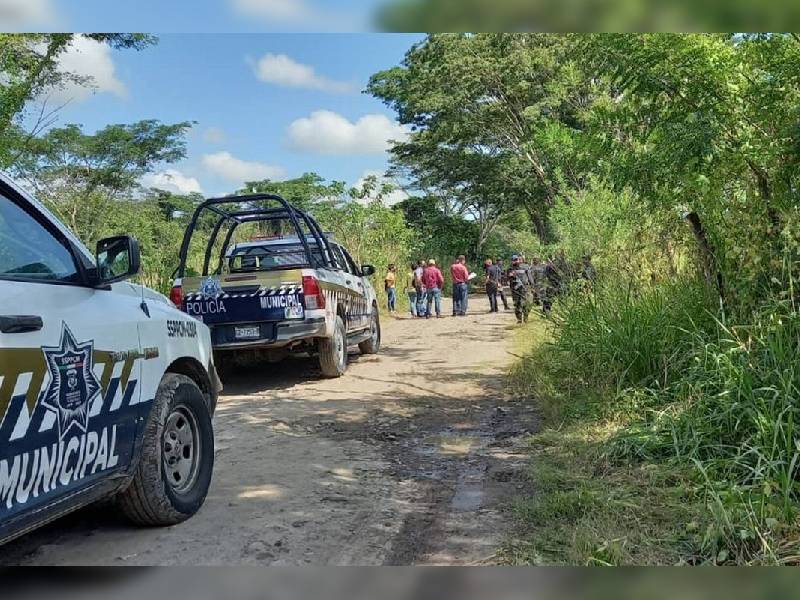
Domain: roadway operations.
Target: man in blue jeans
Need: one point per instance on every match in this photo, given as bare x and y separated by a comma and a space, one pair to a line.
433, 280
390, 285
411, 291
460, 275
422, 295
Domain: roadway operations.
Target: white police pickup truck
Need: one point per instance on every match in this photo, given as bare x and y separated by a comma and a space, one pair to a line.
287, 287
105, 388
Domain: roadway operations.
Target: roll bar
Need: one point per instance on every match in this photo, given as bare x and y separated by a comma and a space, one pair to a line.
240, 215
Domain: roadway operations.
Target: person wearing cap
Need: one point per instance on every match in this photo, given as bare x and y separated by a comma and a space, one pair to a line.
460, 275
433, 280
521, 285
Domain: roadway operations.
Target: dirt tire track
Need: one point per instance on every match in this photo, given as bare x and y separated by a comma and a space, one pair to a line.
410, 458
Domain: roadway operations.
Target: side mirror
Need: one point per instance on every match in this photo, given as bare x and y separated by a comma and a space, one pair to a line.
367, 270
118, 259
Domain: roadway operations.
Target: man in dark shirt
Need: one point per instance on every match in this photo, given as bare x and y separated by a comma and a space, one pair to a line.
501, 290
552, 282
493, 283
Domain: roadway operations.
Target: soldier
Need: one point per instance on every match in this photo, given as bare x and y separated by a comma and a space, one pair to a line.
537, 275
521, 285
565, 272
551, 283
588, 271
501, 290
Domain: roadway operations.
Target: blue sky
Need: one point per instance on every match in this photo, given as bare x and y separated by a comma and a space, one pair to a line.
189, 15
273, 105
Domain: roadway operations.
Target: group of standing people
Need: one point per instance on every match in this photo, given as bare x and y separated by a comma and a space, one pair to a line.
538, 283
424, 285
534, 284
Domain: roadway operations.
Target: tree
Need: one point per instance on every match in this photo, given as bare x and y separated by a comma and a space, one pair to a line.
587, 15
509, 104
29, 66
304, 191
80, 175
705, 126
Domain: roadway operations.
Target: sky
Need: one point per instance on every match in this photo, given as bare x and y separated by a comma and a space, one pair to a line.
265, 105
188, 15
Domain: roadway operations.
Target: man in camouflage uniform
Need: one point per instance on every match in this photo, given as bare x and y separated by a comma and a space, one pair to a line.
538, 281
521, 288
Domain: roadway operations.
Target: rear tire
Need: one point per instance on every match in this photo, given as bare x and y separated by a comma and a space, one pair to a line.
333, 351
373, 344
171, 481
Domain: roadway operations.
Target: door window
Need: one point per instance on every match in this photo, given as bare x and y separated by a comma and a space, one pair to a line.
341, 261
353, 268
28, 251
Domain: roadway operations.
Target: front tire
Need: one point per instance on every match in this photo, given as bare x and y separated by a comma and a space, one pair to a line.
174, 472
373, 344
333, 351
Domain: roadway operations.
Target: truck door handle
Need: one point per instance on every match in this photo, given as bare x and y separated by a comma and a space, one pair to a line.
20, 323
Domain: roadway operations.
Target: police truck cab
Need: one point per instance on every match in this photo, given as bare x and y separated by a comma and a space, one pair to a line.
106, 390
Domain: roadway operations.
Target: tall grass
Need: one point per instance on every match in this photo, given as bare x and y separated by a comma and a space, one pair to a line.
734, 414
630, 336
688, 390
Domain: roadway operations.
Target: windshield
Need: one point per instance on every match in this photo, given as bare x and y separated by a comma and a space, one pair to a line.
28, 251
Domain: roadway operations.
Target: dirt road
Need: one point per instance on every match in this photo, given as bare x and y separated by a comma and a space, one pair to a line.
408, 459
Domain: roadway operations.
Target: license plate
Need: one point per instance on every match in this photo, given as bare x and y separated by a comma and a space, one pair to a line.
295, 312
247, 333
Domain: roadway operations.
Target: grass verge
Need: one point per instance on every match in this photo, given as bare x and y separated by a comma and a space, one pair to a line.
587, 508
661, 443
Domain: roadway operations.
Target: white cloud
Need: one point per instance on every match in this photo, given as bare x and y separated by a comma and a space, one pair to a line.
172, 180
276, 10
17, 15
227, 166
302, 15
390, 199
285, 71
214, 135
91, 59
327, 132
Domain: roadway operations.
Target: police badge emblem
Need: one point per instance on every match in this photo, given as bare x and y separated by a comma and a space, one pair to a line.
73, 384
211, 287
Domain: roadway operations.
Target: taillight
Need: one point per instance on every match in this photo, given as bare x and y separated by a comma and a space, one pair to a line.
315, 299
176, 295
